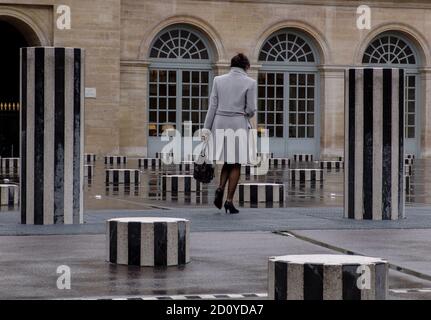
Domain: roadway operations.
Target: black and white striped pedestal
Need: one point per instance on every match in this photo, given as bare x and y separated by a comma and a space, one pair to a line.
167, 158
409, 162
150, 163
122, 190
408, 170
255, 193
9, 195
90, 157
148, 242
265, 155
123, 176
279, 162
374, 144
52, 135
249, 170
88, 171
175, 184
115, 160
408, 184
331, 165
303, 175
303, 157
409, 156
327, 277
9, 164
186, 166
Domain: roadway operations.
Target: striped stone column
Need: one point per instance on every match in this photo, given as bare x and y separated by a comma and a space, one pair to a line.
327, 277
374, 144
148, 242
52, 135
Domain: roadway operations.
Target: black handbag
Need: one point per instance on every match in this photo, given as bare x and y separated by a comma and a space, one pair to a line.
203, 171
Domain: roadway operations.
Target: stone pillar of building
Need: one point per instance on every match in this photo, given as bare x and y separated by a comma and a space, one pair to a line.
374, 144
331, 112
52, 135
133, 114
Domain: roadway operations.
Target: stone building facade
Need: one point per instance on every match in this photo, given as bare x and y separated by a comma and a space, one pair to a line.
151, 63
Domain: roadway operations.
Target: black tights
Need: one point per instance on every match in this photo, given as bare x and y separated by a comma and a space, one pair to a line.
231, 173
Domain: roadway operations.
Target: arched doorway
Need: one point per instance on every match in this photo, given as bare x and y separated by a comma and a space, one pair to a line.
288, 97
393, 49
12, 40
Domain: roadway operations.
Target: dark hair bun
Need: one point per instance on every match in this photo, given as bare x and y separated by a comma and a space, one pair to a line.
240, 61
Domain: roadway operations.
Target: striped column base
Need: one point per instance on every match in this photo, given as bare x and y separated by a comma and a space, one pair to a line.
148, 242
279, 162
409, 156
150, 163
249, 170
265, 155
332, 165
409, 161
327, 277
88, 170
186, 166
303, 157
255, 193
408, 185
408, 170
115, 160
90, 157
180, 183
9, 164
9, 195
303, 175
123, 176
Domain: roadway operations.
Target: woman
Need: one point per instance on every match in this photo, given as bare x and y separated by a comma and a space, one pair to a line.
232, 103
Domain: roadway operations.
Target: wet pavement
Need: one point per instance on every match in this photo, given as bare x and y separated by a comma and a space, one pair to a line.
229, 253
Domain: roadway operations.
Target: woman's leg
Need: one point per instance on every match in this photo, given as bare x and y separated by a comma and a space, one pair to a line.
224, 175
234, 176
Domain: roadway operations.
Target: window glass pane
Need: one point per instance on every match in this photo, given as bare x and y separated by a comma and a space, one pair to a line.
301, 132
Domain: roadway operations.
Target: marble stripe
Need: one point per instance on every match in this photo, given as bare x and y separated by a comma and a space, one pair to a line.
295, 282
23, 131
332, 282
401, 191
48, 180
395, 150
160, 243
359, 146
59, 137
39, 127
28, 184
377, 146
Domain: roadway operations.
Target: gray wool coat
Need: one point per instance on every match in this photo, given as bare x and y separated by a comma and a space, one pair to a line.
232, 104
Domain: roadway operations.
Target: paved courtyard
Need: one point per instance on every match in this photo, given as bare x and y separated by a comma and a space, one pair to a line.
229, 253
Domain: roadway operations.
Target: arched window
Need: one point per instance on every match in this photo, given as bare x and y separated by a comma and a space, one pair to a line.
393, 50
286, 47
179, 80
287, 97
179, 44
389, 49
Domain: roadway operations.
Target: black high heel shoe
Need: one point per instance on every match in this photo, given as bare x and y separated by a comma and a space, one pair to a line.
228, 206
218, 201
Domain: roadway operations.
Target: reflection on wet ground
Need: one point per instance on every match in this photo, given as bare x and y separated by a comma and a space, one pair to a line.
147, 195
